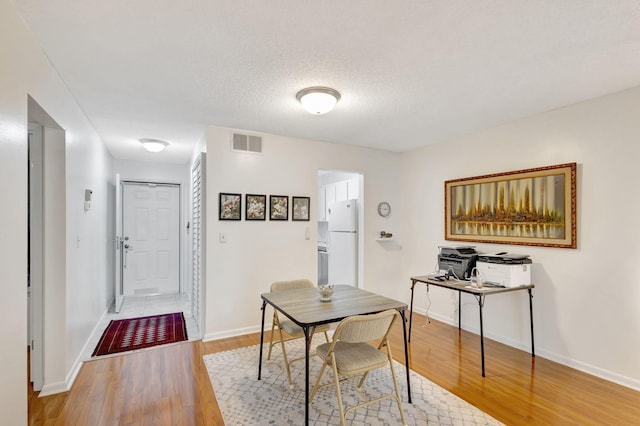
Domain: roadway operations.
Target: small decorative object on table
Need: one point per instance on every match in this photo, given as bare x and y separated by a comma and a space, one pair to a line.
326, 291
476, 278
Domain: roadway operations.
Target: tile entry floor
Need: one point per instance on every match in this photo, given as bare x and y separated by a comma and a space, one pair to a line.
142, 306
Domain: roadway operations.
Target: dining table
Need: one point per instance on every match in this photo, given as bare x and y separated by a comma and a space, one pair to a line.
306, 308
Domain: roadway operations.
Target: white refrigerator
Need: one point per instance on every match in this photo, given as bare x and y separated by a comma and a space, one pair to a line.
343, 243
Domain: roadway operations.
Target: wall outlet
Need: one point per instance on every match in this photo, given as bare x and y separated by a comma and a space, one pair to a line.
222, 237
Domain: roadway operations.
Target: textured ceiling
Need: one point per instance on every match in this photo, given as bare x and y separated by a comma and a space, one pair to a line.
411, 73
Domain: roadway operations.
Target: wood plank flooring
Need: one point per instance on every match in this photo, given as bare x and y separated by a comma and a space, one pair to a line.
169, 385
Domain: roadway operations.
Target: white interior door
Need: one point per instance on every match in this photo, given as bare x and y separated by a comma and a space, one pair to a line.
151, 246
118, 282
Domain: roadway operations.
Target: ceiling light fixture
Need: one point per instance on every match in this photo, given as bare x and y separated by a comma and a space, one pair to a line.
318, 100
154, 145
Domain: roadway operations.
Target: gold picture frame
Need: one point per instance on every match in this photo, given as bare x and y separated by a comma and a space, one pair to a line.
533, 207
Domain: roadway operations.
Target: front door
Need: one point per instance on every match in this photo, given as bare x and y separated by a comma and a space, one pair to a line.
119, 252
151, 246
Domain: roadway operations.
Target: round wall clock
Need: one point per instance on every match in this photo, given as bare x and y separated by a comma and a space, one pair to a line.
384, 209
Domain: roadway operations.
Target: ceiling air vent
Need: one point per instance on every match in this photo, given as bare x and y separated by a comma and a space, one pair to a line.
246, 143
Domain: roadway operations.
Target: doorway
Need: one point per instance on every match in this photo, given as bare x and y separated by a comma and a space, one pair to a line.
151, 238
340, 218
46, 282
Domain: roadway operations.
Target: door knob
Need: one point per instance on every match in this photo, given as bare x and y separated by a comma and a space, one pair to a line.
127, 246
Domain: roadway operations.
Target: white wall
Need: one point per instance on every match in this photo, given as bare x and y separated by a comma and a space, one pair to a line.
26, 70
586, 301
258, 253
143, 171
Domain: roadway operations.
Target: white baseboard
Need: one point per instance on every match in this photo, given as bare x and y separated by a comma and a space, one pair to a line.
543, 353
591, 369
53, 388
230, 333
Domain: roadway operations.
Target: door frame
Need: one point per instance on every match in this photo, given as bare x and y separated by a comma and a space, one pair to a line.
181, 257
118, 242
36, 253
54, 248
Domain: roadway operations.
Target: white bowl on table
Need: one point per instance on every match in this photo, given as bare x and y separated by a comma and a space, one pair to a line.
326, 291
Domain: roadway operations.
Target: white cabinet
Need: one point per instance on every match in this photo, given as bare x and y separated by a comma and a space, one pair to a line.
341, 191
330, 197
353, 188
322, 204
337, 191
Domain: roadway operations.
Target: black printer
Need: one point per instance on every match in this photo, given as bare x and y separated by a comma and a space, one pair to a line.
459, 260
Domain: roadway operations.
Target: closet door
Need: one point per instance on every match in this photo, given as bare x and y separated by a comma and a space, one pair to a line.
197, 243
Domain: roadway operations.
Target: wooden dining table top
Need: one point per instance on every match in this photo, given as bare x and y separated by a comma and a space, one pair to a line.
305, 307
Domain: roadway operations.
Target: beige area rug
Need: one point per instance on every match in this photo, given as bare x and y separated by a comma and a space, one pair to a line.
244, 400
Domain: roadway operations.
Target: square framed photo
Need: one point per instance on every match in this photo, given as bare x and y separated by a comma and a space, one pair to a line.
278, 207
230, 206
255, 207
300, 209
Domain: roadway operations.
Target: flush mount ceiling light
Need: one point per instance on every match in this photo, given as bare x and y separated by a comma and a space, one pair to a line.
154, 145
318, 100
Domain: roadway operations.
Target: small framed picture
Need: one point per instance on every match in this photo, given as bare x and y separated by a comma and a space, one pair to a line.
255, 207
278, 207
230, 206
300, 210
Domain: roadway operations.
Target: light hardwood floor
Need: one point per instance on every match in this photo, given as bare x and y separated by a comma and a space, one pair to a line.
169, 385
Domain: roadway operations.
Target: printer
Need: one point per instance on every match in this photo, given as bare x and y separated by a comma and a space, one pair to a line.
459, 260
504, 269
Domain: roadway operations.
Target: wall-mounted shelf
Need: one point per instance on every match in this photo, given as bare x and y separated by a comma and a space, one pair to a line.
384, 239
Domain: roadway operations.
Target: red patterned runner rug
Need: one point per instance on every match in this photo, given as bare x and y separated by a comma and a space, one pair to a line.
139, 333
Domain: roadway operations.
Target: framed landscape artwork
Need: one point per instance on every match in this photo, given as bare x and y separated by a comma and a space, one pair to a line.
300, 210
278, 207
230, 206
535, 207
256, 207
